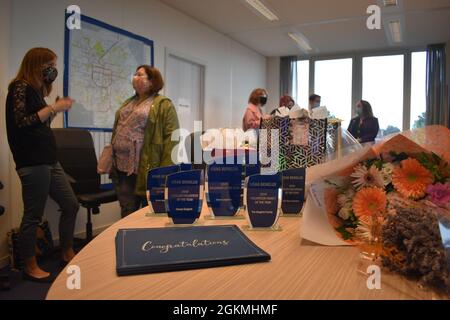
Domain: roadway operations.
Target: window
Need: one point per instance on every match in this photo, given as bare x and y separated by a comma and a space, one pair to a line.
333, 82
301, 95
418, 89
383, 89
379, 79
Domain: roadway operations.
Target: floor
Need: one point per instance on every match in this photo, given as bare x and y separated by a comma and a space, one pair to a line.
20, 289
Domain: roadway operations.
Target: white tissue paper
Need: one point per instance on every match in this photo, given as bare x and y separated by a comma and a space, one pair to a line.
319, 113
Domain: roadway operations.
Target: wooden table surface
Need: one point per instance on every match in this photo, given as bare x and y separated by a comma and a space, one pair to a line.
298, 270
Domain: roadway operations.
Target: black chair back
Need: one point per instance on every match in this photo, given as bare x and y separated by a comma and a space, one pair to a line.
76, 154
192, 144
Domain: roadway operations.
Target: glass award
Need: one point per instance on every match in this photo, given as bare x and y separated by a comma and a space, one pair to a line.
251, 166
223, 190
293, 192
156, 185
186, 166
262, 198
184, 196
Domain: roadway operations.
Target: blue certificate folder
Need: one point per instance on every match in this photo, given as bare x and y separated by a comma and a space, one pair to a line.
173, 248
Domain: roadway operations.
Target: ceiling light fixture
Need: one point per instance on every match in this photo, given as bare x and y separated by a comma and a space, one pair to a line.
395, 28
301, 41
263, 10
390, 3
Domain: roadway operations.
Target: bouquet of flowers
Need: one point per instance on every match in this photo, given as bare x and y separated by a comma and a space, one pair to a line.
393, 205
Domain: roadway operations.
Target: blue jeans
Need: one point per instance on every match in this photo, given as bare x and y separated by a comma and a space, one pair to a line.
39, 182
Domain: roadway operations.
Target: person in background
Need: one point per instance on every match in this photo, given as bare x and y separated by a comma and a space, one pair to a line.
365, 126
33, 147
285, 102
253, 113
314, 102
141, 138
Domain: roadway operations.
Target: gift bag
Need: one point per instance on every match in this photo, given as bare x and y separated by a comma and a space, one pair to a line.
301, 142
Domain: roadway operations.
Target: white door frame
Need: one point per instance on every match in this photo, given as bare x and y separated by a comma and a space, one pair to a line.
202, 64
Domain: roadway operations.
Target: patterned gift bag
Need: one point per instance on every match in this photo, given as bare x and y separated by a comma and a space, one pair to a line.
301, 142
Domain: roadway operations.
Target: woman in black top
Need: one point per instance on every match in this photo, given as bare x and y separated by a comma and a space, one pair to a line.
33, 147
365, 126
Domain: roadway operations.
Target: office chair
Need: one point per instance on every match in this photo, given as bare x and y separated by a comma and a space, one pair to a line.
76, 154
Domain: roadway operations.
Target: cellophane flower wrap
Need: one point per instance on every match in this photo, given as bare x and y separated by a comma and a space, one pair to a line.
394, 204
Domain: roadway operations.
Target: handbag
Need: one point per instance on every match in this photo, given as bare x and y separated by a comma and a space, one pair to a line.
105, 162
44, 245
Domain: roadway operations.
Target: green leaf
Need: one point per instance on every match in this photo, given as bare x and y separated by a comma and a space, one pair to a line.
345, 234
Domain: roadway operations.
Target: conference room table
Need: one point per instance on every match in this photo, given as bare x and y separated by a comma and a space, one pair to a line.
298, 269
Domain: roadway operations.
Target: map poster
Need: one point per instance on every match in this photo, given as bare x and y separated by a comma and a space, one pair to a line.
100, 61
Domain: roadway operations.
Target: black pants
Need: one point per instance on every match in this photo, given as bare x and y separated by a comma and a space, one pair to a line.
125, 186
39, 182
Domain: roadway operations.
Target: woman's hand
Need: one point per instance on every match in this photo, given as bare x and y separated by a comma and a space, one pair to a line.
63, 104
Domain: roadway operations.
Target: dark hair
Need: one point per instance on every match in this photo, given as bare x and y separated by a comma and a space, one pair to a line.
366, 109
284, 101
255, 95
154, 75
313, 97
31, 69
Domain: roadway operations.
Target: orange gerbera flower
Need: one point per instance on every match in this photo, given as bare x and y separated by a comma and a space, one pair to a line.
369, 202
411, 179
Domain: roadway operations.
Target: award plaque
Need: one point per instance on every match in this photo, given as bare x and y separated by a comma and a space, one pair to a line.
184, 196
252, 164
186, 167
262, 197
156, 185
223, 190
293, 186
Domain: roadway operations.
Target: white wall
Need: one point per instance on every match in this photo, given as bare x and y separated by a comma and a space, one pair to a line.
247, 75
447, 54
273, 82
232, 69
5, 220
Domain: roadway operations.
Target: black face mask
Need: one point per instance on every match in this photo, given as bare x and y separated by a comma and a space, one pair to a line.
263, 100
49, 74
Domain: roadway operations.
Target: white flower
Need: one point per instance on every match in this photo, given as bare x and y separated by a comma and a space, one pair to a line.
364, 229
342, 198
386, 172
388, 168
368, 229
350, 193
345, 211
364, 177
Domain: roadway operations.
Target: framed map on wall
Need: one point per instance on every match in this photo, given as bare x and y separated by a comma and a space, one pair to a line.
100, 61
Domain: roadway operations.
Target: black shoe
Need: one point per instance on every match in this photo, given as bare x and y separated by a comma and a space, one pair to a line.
48, 279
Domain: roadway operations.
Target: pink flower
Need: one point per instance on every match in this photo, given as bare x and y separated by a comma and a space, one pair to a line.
439, 194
